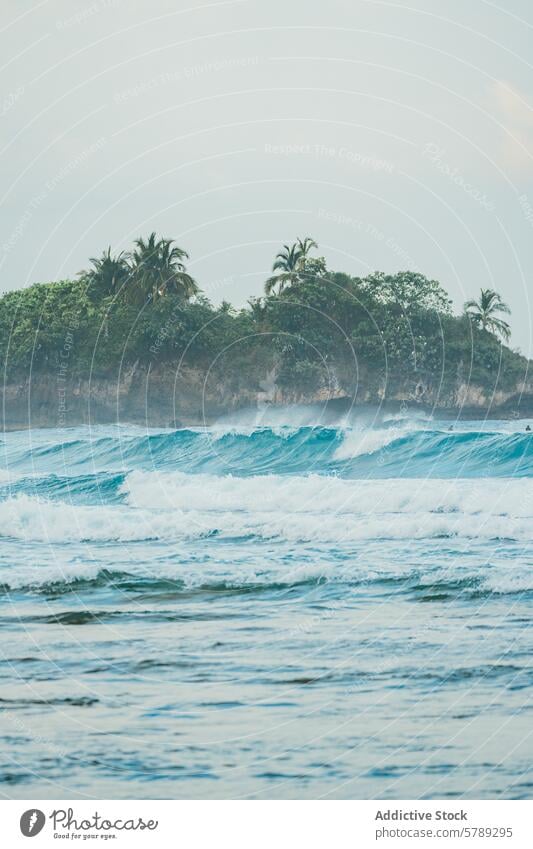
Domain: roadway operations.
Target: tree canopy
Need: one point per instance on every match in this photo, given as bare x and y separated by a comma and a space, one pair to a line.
485, 313
313, 325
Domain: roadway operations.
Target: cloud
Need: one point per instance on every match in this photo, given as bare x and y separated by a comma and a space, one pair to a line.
515, 114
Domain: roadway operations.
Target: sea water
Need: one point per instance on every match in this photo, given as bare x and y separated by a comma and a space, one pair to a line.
335, 610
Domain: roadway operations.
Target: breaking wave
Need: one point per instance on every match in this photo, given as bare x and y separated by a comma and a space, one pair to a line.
401, 449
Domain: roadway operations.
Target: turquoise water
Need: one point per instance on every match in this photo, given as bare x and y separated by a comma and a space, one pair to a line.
269, 612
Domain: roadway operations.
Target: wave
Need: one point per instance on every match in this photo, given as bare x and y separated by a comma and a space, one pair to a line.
184, 579
397, 449
367, 442
317, 495
86, 488
174, 506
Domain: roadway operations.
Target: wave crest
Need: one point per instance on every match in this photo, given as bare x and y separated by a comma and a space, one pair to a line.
173, 506
401, 449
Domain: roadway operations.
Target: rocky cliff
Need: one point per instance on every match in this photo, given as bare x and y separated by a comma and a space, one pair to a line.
164, 397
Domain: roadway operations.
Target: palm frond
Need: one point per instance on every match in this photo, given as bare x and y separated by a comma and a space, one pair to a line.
484, 313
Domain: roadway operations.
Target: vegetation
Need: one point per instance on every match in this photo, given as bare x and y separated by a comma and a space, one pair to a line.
293, 265
314, 328
153, 269
484, 313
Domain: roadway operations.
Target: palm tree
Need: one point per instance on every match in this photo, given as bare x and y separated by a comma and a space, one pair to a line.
484, 313
304, 246
158, 268
287, 265
108, 274
290, 264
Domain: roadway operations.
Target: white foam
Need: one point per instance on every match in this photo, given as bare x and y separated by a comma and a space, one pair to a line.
276, 417
511, 580
28, 575
317, 494
356, 443
177, 506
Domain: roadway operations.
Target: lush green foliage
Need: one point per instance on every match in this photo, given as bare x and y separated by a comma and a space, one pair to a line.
314, 328
153, 269
484, 313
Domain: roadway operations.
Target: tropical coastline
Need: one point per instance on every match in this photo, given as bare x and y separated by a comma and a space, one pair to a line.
134, 339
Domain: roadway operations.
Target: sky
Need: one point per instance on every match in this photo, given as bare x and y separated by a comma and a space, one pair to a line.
397, 135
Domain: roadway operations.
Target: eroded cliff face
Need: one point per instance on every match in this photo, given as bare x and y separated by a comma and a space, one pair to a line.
136, 395
164, 397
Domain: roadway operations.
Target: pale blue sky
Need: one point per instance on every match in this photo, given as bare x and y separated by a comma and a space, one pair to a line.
397, 135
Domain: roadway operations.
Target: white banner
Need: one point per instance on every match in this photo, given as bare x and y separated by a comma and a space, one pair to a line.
268, 824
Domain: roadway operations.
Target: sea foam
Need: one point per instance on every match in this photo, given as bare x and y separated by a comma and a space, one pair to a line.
307, 509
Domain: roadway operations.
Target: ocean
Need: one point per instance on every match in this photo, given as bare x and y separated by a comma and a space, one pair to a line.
280, 608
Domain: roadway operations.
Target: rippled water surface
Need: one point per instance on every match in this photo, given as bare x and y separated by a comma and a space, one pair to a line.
266, 612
